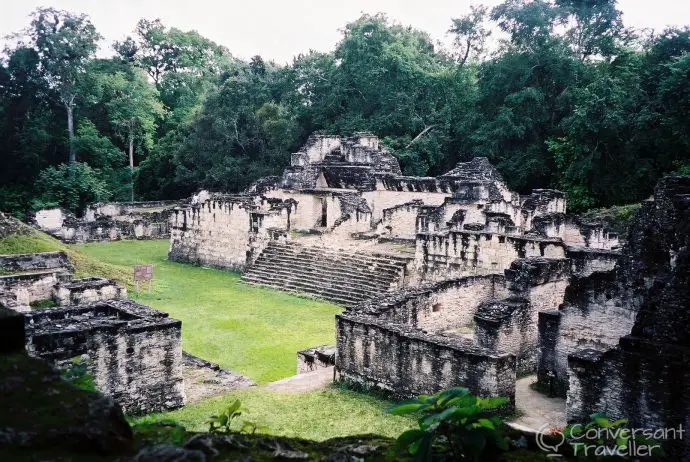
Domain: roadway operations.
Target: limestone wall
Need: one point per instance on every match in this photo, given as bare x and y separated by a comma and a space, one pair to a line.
132, 351
507, 326
463, 253
408, 362
141, 367
108, 221
446, 306
592, 316
382, 199
400, 221
81, 291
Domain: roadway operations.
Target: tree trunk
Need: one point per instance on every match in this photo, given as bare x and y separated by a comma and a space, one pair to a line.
131, 159
70, 131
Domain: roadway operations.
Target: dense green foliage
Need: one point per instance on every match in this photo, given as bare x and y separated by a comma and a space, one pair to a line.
570, 99
453, 425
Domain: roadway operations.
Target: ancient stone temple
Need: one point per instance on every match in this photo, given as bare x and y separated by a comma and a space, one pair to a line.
443, 277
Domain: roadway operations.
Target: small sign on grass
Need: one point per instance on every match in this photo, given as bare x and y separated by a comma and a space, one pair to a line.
143, 273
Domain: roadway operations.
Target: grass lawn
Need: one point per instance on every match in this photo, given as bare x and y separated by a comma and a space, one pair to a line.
316, 415
251, 330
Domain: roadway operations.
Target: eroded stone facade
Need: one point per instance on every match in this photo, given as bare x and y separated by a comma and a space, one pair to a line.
452, 271
619, 343
132, 351
108, 221
27, 279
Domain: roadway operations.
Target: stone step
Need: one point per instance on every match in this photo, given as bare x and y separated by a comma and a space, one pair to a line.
342, 277
331, 269
283, 275
385, 259
341, 299
338, 301
361, 265
322, 276
279, 278
313, 290
314, 256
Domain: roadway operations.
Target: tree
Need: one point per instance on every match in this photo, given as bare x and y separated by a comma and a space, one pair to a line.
596, 26
72, 186
133, 106
470, 33
64, 42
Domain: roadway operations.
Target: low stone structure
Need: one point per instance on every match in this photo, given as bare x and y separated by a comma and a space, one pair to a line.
108, 221
132, 351
30, 278
489, 322
80, 291
26, 279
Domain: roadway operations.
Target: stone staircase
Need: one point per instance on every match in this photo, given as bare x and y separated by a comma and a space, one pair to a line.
342, 277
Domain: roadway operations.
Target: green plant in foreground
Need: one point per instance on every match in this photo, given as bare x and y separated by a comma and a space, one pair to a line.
453, 425
222, 423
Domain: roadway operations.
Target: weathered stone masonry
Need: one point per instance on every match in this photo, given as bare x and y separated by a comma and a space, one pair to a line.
620, 342
132, 351
108, 221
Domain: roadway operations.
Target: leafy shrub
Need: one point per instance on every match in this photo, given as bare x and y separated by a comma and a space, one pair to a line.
71, 186
223, 422
453, 425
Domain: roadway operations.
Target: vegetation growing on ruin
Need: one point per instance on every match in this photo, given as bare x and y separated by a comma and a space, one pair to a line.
571, 99
30, 240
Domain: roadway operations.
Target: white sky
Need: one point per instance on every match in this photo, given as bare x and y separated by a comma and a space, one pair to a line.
281, 29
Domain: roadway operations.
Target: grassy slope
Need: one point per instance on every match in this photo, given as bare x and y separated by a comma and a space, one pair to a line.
35, 241
316, 415
252, 330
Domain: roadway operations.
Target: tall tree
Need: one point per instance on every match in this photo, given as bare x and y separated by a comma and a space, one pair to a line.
470, 33
65, 42
133, 106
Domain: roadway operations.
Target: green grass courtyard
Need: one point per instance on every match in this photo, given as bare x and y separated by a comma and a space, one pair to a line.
253, 331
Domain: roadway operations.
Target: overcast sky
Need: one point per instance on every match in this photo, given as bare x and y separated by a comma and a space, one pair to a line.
281, 29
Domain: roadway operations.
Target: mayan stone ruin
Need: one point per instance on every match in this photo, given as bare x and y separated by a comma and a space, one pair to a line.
108, 221
443, 278
445, 281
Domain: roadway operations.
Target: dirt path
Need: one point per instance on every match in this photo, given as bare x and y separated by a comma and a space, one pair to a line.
537, 409
302, 383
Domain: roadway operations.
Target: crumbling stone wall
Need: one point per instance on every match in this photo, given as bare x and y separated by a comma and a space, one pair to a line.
82, 291
28, 278
227, 231
133, 352
405, 361
444, 306
460, 253
108, 221
619, 342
